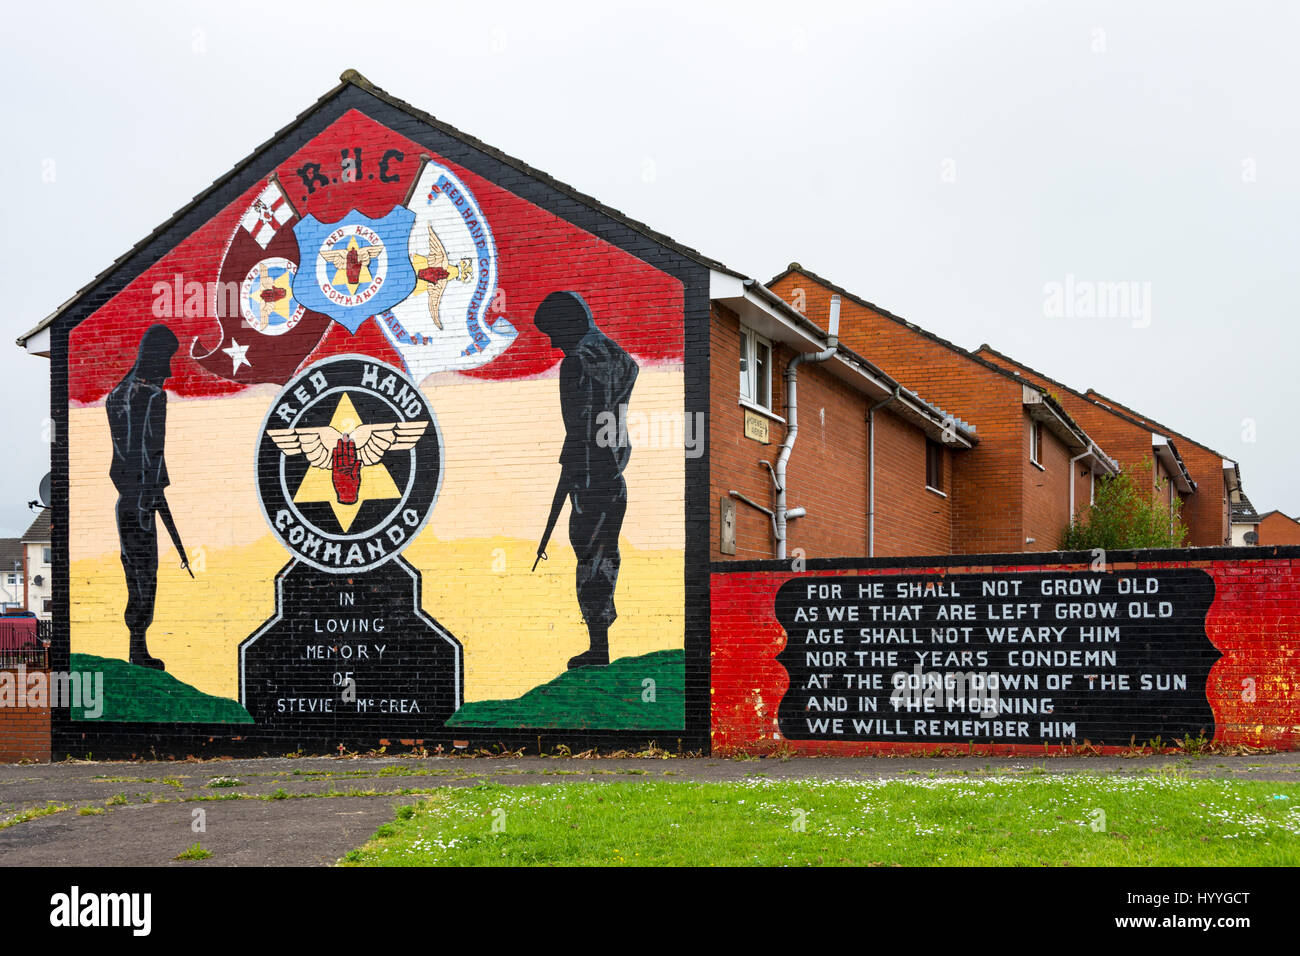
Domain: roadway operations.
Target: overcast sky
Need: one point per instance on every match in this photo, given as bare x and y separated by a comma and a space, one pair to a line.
949, 162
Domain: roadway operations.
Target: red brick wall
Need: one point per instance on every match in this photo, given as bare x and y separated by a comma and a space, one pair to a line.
1251, 622
828, 469
24, 731
910, 519
1083, 484
1129, 442
988, 482
1206, 511
1279, 529
1047, 492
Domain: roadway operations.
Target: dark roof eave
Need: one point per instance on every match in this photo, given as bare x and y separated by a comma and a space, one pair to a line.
812, 328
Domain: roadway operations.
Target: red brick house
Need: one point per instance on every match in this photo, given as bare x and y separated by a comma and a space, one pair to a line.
1277, 528
1133, 442
872, 464
1034, 464
1216, 476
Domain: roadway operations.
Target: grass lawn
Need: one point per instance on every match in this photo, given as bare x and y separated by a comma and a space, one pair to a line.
1156, 820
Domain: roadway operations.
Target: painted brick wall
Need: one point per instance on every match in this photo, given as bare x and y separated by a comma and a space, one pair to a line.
24, 731
988, 482
828, 469
501, 431
1248, 626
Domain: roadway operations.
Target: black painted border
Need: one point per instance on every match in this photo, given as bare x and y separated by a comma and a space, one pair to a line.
158, 739
1018, 559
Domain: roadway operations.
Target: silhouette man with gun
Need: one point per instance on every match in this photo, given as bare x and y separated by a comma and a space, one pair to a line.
137, 422
596, 379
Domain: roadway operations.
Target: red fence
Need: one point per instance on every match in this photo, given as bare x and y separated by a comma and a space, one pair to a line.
21, 642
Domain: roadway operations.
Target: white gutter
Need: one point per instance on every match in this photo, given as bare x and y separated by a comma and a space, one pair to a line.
768, 314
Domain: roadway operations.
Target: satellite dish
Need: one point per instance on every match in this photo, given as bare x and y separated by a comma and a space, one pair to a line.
44, 492
1252, 537
37, 580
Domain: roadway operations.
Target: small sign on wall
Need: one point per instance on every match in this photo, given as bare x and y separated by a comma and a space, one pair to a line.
726, 526
756, 427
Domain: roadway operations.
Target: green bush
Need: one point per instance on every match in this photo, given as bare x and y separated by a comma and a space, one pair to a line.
1124, 514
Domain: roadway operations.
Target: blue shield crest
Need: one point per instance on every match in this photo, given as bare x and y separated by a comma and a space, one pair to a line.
356, 267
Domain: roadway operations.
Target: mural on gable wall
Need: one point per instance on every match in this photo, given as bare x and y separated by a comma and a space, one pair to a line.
318, 450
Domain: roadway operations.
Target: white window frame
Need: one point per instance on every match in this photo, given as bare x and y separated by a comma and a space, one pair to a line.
1035, 452
749, 384
931, 443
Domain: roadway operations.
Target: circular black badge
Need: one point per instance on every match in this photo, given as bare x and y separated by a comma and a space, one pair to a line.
349, 464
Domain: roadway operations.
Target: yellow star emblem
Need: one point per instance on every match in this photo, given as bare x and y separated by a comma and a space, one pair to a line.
341, 273
376, 482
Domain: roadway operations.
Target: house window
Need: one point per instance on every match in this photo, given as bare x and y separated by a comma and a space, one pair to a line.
933, 464
47, 605
11, 580
47, 555
1036, 443
755, 369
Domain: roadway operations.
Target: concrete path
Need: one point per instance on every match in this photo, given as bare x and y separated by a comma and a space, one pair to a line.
310, 811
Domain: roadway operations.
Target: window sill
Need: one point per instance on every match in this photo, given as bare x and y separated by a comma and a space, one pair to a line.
766, 412
935, 491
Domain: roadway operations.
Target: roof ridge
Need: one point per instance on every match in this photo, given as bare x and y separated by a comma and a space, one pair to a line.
353, 78
1107, 400
953, 346
965, 353
1117, 412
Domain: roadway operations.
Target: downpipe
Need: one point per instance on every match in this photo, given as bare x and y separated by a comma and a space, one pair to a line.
783, 514
871, 465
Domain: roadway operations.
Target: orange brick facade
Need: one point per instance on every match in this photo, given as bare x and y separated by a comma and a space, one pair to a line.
1206, 512
998, 498
1127, 438
1277, 528
828, 472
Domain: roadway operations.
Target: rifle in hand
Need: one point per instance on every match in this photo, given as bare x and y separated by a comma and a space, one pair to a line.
165, 512
556, 504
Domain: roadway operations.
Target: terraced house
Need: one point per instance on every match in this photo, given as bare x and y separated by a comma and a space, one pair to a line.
1035, 464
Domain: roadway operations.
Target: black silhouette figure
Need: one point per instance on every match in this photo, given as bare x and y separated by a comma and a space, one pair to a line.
137, 421
596, 379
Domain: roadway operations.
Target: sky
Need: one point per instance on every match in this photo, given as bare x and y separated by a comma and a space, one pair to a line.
979, 168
